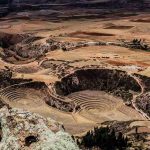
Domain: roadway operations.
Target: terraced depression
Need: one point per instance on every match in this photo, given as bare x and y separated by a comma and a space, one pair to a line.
84, 66
102, 106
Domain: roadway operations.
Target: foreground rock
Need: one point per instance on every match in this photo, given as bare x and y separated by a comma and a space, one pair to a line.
24, 130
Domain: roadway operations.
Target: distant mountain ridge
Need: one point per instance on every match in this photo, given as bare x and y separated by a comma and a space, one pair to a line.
20, 5
71, 1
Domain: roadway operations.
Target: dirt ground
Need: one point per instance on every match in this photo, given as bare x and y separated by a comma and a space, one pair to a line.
73, 30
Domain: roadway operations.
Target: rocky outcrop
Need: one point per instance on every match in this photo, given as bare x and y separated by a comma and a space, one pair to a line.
55, 102
24, 130
7, 40
22, 47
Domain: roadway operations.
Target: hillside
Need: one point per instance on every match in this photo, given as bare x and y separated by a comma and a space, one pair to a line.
83, 63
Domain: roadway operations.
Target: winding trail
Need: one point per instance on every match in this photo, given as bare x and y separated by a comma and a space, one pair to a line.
135, 96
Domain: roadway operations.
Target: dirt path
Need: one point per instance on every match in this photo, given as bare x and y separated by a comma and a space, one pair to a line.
135, 96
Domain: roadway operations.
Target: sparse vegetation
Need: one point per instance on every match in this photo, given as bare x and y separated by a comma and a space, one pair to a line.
139, 44
105, 139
